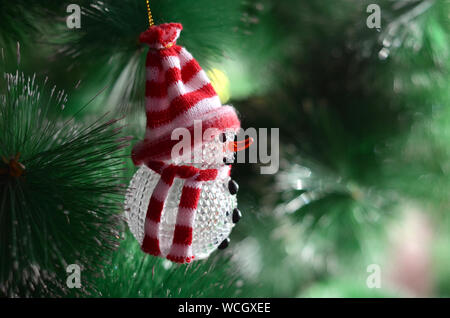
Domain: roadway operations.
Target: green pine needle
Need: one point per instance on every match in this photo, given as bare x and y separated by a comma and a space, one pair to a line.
131, 273
60, 188
108, 41
23, 21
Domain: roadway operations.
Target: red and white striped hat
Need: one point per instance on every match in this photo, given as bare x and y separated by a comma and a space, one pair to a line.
178, 92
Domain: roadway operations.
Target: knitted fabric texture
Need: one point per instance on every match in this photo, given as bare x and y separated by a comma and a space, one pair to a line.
178, 92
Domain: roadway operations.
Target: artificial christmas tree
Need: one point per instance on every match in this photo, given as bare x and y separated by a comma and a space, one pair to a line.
363, 122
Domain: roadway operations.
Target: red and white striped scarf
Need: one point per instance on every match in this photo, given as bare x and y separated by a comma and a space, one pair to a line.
181, 248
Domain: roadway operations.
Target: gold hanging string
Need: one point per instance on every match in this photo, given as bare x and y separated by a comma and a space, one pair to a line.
150, 16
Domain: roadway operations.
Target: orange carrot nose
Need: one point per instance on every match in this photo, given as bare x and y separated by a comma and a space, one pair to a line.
236, 146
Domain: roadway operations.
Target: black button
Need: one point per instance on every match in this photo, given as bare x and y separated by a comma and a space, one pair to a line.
233, 187
237, 215
224, 244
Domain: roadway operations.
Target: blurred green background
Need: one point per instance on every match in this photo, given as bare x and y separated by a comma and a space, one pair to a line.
364, 124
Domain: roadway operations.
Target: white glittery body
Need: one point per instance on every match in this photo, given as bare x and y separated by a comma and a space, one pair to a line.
213, 217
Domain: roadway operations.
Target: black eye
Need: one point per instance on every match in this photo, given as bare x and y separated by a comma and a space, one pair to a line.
223, 137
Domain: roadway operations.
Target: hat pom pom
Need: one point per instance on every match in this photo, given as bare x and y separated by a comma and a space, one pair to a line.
161, 36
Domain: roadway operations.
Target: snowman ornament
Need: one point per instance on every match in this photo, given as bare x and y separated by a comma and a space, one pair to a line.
181, 204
